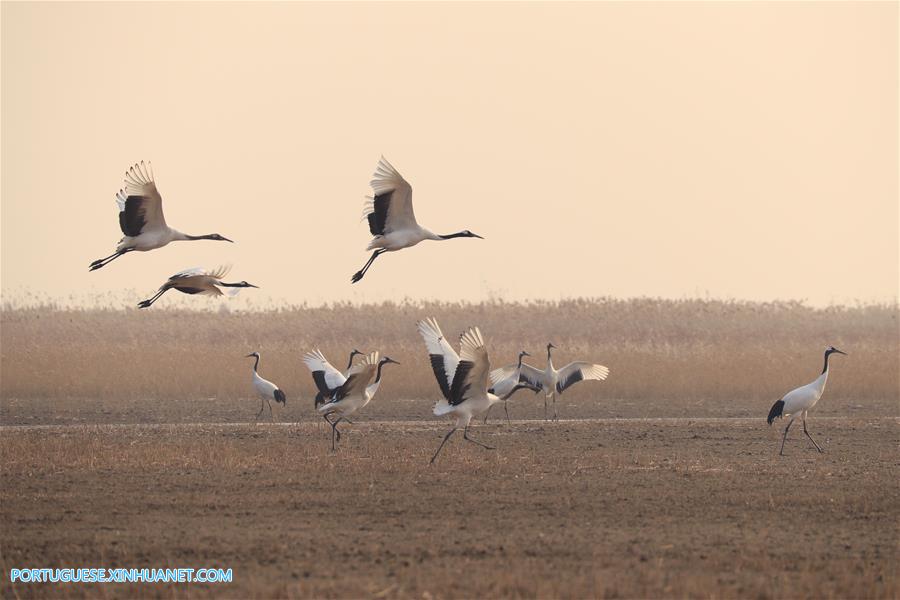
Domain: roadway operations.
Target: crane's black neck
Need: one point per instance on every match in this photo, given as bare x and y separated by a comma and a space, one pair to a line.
827, 354
378, 373
350, 362
209, 236
450, 236
521, 356
548, 352
256, 364
240, 284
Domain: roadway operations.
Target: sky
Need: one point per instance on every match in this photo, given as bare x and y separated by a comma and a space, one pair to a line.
728, 150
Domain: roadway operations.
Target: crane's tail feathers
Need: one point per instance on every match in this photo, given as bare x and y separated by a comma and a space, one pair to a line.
279, 396
776, 411
442, 407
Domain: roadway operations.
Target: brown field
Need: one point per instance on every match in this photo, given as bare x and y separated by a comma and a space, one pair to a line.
630, 508
125, 442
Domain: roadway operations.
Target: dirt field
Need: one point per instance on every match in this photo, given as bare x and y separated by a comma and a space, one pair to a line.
605, 508
127, 440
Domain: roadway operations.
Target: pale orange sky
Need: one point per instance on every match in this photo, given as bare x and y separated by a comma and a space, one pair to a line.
740, 150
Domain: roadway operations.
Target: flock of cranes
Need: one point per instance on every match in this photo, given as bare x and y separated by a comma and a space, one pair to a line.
468, 385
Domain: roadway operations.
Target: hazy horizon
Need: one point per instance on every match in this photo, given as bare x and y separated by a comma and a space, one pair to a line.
733, 151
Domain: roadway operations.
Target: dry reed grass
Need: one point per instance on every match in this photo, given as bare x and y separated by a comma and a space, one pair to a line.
703, 357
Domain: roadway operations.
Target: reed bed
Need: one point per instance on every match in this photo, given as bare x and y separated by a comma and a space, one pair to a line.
721, 357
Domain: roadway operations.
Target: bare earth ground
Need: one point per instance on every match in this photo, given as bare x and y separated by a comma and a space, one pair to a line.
601, 507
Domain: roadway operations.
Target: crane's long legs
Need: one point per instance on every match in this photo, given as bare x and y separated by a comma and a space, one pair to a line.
545, 408
446, 437
271, 413
102, 262
811, 437
468, 439
487, 413
781, 452
262, 407
555, 414
361, 273
335, 431
149, 301
506, 408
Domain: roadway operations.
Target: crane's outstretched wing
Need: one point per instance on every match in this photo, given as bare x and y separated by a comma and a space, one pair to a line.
444, 359
358, 377
574, 372
140, 205
504, 388
327, 378
528, 374
192, 272
471, 377
391, 207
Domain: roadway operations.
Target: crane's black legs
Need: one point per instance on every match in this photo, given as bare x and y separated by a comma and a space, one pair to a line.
271, 413
505, 407
146, 303
468, 439
555, 414
102, 262
811, 437
781, 452
545, 408
262, 407
446, 437
361, 273
335, 432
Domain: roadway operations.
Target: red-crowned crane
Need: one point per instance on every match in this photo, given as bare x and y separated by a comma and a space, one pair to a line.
797, 403
141, 217
391, 218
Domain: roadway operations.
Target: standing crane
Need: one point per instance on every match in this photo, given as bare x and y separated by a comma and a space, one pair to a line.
463, 377
198, 281
550, 380
798, 402
141, 217
349, 395
391, 218
267, 390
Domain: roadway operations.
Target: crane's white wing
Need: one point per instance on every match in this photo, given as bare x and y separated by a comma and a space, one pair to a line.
192, 272
471, 377
358, 377
574, 372
391, 208
140, 205
527, 374
443, 357
323, 372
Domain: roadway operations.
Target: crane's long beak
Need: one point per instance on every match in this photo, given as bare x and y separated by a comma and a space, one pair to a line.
253, 286
227, 240
249, 356
478, 236
839, 352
